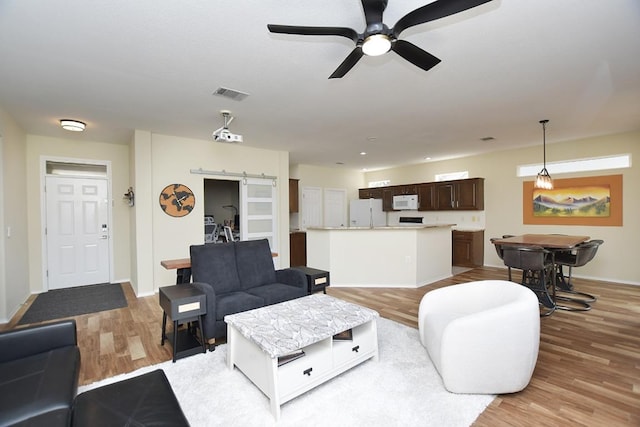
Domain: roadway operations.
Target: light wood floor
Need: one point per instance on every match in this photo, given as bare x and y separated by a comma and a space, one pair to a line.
588, 370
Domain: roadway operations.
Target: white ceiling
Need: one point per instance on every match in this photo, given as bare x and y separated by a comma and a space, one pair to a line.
121, 65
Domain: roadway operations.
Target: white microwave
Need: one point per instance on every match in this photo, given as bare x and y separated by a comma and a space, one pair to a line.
405, 202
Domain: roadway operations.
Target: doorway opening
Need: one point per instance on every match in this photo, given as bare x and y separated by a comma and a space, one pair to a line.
221, 208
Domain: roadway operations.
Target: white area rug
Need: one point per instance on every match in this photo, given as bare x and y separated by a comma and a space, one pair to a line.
401, 389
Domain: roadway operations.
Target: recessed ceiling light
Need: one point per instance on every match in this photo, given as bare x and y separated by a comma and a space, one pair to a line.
427, 158
363, 153
72, 125
487, 138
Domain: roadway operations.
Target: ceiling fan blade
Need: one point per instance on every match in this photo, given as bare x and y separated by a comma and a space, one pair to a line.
314, 31
415, 55
348, 63
432, 11
373, 10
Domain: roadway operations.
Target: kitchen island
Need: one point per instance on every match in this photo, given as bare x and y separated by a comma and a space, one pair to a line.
397, 256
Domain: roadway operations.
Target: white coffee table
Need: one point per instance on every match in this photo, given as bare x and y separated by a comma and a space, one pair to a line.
257, 338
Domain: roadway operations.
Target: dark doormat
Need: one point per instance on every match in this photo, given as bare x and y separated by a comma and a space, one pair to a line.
61, 303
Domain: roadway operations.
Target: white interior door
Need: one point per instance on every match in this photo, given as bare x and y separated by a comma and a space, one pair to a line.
335, 207
77, 231
311, 207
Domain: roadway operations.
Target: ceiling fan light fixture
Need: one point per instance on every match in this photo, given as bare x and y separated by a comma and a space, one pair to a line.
543, 180
72, 125
376, 45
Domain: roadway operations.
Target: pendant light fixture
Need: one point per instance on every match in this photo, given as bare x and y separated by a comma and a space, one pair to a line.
543, 180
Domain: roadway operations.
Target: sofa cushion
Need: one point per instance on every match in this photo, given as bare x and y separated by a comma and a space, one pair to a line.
254, 263
145, 400
39, 389
215, 264
277, 292
235, 302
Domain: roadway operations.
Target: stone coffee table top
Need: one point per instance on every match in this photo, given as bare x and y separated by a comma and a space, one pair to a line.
282, 328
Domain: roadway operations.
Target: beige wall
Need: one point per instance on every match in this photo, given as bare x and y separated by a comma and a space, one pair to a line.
338, 177
616, 259
172, 159
143, 235
39, 147
14, 286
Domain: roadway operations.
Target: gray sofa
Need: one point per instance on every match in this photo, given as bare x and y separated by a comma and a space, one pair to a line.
240, 276
39, 369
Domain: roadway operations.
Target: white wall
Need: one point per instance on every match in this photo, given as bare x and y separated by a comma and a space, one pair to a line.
616, 259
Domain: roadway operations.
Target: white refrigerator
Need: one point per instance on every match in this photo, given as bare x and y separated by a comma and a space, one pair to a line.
367, 213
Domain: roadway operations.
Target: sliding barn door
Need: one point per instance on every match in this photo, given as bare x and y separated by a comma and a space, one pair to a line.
258, 200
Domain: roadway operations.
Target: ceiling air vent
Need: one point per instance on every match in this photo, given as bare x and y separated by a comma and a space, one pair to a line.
236, 95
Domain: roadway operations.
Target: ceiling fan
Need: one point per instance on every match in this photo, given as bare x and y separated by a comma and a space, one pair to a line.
378, 39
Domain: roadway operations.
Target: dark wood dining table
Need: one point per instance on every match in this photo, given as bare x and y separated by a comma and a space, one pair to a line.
547, 241
553, 243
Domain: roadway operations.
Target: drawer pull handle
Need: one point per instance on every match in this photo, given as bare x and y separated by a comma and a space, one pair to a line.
307, 371
356, 348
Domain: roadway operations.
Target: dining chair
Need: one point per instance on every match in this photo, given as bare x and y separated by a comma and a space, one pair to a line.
499, 250
577, 257
538, 272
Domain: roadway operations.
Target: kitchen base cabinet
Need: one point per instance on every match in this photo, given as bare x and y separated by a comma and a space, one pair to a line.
467, 248
297, 249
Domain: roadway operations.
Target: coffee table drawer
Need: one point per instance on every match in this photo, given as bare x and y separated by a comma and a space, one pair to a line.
302, 372
364, 341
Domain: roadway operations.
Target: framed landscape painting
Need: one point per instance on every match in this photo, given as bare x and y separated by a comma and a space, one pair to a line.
575, 201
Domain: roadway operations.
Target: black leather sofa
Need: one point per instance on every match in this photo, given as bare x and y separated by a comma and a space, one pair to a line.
39, 370
240, 276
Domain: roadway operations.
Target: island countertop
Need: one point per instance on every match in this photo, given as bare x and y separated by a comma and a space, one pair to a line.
386, 227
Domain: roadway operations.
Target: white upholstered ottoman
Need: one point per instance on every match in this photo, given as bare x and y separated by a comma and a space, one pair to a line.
482, 337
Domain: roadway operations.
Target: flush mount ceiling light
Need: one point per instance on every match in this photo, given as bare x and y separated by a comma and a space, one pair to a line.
543, 180
72, 125
376, 45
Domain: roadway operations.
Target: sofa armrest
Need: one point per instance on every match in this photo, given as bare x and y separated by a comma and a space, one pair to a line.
292, 277
23, 342
209, 319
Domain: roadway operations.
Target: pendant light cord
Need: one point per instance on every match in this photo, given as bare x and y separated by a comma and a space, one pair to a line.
544, 144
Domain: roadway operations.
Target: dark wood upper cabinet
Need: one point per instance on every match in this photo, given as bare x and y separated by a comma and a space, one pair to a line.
293, 195
427, 197
463, 194
370, 193
387, 198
